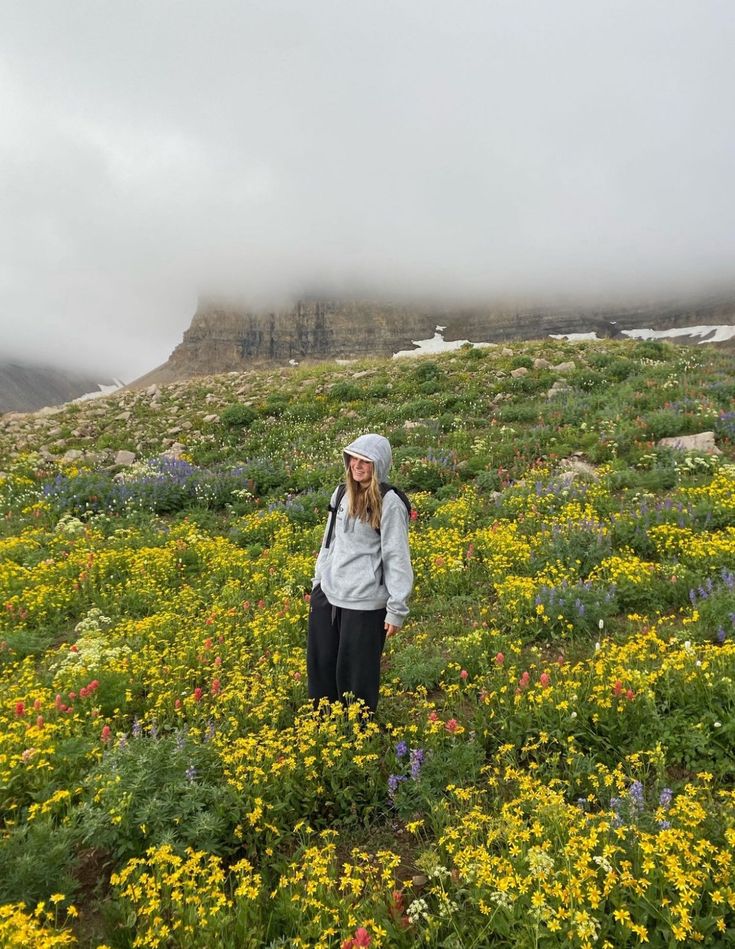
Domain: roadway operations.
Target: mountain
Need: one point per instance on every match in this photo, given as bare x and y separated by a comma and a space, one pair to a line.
25, 387
226, 337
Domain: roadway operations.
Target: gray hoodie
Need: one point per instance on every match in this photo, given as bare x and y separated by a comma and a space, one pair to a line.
350, 570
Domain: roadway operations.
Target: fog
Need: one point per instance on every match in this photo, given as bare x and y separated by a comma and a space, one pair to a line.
154, 151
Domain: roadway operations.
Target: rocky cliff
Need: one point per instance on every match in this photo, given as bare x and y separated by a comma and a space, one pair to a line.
224, 337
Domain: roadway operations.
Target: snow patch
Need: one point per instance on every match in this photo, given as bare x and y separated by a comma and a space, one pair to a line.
437, 344
103, 390
712, 334
717, 333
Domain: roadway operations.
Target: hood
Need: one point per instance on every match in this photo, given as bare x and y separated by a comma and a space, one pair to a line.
375, 448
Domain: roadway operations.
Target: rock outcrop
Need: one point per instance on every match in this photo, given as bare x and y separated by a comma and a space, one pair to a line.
702, 442
224, 337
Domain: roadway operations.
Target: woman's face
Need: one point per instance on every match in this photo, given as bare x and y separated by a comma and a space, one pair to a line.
361, 471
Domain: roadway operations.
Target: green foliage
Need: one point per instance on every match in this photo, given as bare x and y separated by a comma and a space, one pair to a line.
587, 379
238, 416
157, 790
668, 423
345, 392
528, 385
426, 370
475, 353
415, 666
615, 368
36, 860
652, 349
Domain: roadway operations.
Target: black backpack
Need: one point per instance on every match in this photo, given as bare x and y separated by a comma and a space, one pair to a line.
333, 508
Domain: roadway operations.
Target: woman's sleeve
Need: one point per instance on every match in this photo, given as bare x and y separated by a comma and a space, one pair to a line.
397, 568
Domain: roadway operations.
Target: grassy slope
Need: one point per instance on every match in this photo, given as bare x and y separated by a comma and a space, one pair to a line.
481, 452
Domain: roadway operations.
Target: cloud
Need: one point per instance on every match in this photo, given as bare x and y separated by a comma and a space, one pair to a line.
153, 151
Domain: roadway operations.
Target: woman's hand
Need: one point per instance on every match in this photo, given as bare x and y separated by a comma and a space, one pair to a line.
391, 629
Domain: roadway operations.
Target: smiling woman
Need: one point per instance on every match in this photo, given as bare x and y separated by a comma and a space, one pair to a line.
362, 580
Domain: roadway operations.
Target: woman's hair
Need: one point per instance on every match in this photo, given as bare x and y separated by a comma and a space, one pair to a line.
367, 504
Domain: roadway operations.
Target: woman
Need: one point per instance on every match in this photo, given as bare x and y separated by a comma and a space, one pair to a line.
362, 580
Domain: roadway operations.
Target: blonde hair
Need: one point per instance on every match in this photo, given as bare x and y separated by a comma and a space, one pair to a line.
366, 504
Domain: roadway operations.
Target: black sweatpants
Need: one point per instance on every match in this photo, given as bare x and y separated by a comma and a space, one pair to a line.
343, 651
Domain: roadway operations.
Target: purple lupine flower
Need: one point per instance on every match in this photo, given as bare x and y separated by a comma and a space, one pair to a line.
153, 730
191, 773
692, 597
664, 824
636, 795
401, 749
137, 728
665, 797
393, 781
720, 635
180, 740
417, 760
209, 734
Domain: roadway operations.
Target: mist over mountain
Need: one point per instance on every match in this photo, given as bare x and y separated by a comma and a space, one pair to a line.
474, 151
25, 387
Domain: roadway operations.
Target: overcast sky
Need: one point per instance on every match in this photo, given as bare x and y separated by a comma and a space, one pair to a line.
153, 151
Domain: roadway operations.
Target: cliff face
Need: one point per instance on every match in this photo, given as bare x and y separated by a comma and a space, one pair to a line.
222, 337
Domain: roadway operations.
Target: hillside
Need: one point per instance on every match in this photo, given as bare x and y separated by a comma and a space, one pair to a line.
553, 757
25, 387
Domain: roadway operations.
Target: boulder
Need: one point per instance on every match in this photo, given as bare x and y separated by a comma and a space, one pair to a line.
565, 366
125, 458
175, 451
573, 468
541, 363
519, 372
703, 442
558, 388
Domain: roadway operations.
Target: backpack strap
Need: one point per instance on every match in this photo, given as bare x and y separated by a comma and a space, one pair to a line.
385, 488
333, 508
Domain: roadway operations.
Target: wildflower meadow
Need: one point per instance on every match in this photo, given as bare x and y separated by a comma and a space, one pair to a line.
552, 762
